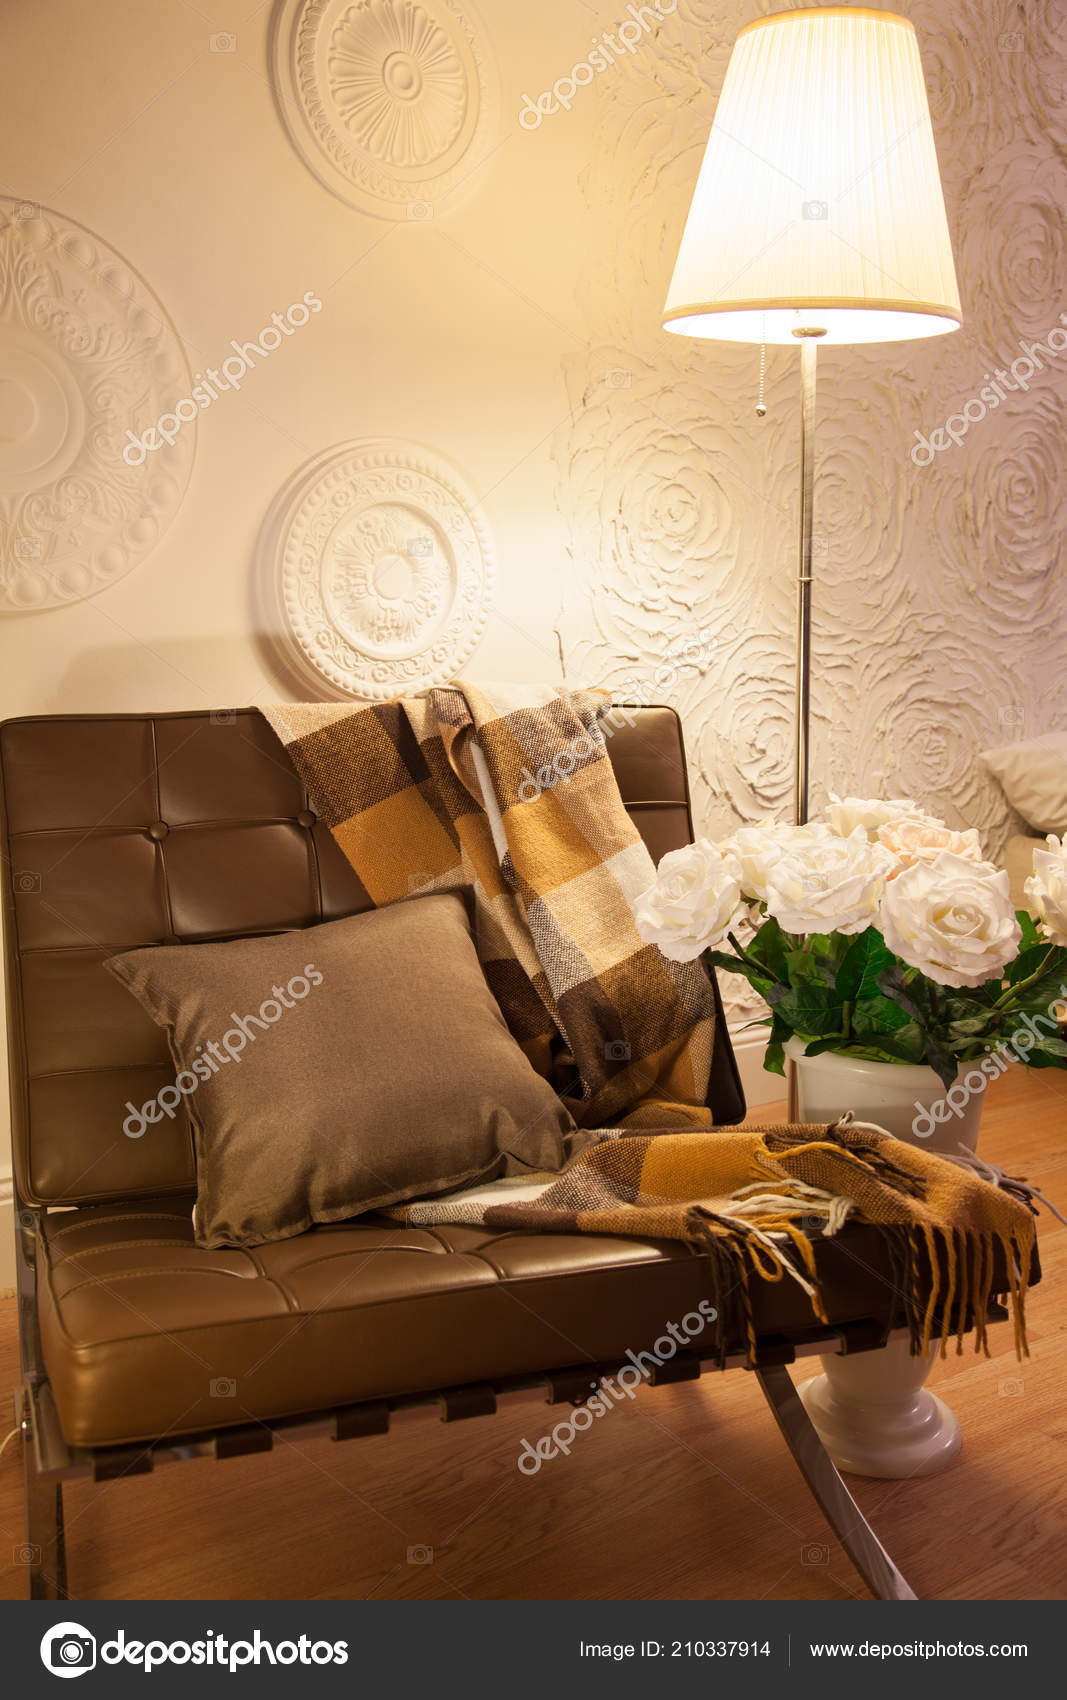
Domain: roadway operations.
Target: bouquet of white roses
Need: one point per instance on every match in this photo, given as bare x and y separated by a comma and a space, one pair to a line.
877, 931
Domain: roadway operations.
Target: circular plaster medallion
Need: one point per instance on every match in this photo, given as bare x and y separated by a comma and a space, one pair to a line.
86, 353
383, 99
382, 568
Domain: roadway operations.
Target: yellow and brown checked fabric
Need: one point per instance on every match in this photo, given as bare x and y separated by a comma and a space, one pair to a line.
433, 792
752, 1201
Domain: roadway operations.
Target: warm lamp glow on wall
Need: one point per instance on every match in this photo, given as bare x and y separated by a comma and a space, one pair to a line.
817, 217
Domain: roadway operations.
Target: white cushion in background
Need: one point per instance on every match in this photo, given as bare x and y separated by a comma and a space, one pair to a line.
1033, 776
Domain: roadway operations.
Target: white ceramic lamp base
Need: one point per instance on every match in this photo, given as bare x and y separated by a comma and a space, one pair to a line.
875, 1417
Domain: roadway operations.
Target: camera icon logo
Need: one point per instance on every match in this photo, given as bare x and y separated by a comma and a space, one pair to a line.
420, 1555
617, 1050
815, 1553
223, 716
26, 883
620, 378
815, 209
420, 548
28, 209
223, 43
68, 1649
420, 210
28, 548
223, 1387
1011, 714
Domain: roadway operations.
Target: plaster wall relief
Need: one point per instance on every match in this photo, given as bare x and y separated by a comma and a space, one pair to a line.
939, 590
383, 99
378, 570
86, 351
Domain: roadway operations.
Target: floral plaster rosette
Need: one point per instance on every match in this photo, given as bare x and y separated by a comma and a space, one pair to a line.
380, 569
86, 352
383, 99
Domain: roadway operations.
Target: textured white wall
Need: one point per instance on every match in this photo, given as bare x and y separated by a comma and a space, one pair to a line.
938, 590
633, 497
938, 627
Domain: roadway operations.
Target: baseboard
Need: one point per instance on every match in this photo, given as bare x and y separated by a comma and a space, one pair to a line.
750, 1045
7, 1230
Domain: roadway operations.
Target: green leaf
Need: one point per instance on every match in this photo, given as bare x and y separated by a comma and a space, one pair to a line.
905, 991
1045, 968
768, 946
811, 1011
1029, 961
971, 1005
822, 944
884, 1052
727, 961
1043, 1056
985, 997
1031, 933
866, 957
879, 1017
905, 1045
963, 1030
774, 1057
805, 969
1052, 1045
941, 1060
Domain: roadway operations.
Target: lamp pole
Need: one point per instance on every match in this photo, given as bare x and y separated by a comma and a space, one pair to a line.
808, 337
828, 98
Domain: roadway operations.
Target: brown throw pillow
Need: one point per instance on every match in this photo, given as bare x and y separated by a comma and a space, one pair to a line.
335, 1070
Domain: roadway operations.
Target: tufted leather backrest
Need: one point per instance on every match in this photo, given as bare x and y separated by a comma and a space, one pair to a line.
126, 830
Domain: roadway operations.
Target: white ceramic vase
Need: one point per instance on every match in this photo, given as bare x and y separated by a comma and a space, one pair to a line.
908, 1101
871, 1410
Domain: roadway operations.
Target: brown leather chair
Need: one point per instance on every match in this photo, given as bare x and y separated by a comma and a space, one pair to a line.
126, 830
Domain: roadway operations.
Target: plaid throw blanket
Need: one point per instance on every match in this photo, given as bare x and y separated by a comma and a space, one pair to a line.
754, 1201
440, 791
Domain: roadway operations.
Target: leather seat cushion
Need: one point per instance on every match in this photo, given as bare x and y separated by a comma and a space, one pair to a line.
146, 1334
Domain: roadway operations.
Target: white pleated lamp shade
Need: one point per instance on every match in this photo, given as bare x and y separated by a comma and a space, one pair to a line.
819, 201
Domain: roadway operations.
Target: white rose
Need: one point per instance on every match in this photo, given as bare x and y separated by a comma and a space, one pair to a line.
694, 903
952, 919
758, 848
845, 814
834, 885
1047, 889
912, 841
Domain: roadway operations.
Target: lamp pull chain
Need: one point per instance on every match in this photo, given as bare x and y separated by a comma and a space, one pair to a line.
761, 406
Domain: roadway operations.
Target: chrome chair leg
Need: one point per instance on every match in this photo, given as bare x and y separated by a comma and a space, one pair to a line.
819, 1471
46, 1551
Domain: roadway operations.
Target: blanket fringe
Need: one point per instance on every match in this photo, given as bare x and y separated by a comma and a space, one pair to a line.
946, 1259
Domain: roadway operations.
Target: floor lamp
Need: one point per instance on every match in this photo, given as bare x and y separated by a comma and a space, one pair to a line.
817, 217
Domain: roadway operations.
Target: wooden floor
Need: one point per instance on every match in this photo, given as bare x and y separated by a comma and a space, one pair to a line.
686, 1494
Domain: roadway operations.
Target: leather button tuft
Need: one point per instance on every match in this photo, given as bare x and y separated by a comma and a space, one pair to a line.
158, 829
306, 818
